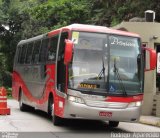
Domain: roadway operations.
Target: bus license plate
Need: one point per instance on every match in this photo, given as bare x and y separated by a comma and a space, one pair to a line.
107, 114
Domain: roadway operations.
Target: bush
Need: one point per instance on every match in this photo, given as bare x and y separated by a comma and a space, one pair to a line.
6, 79
9, 93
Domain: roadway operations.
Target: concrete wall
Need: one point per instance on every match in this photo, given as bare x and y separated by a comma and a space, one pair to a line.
147, 31
158, 105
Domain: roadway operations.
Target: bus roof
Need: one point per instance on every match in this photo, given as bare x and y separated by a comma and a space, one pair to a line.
32, 39
81, 27
99, 29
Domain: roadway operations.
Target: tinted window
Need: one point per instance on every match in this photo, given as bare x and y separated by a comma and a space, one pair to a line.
43, 50
52, 48
29, 53
35, 56
61, 68
19, 54
23, 53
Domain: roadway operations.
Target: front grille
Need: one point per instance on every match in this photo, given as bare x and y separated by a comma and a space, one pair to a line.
104, 104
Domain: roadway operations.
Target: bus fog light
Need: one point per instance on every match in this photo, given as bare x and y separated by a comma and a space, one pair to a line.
75, 99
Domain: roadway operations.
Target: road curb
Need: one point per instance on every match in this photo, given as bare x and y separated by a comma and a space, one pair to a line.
150, 120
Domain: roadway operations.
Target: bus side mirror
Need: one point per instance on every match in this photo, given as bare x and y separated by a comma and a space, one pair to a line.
150, 59
68, 51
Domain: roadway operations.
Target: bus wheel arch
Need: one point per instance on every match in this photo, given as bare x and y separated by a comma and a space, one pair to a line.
23, 107
55, 119
19, 93
113, 123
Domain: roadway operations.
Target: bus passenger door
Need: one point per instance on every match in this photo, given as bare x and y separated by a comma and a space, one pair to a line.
61, 68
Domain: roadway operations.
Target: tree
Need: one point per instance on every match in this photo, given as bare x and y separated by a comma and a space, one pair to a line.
22, 19
112, 12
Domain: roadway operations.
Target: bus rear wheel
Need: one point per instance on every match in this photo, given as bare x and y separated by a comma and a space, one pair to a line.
23, 107
113, 123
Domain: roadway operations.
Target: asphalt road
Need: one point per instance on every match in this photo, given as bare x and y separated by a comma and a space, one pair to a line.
37, 123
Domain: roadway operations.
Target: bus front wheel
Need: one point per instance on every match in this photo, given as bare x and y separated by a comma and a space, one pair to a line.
113, 123
57, 121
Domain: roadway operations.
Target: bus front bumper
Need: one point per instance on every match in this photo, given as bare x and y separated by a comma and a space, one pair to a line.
75, 110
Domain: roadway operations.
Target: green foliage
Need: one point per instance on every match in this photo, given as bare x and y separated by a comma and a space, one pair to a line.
9, 92
22, 19
112, 12
55, 14
5, 76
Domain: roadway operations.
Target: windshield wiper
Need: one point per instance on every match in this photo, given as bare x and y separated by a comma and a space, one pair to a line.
102, 72
119, 78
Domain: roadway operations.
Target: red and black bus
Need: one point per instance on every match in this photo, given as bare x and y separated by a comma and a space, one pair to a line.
82, 72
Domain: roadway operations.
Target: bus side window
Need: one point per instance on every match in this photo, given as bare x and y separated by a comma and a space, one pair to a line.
23, 53
35, 56
52, 48
29, 53
19, 54
43, 50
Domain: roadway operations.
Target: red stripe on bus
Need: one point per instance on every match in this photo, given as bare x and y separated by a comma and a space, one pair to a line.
124, 99
48, 86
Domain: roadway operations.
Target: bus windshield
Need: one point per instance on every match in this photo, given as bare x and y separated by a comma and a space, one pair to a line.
104, 63
125, 71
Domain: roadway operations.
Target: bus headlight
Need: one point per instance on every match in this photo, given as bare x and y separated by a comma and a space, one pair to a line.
76, 99
135, 104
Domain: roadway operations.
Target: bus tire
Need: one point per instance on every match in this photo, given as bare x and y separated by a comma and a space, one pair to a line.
23, 107
113, 123
50, 106
57, 121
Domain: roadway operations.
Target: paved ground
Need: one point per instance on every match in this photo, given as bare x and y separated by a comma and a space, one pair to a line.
36, 121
